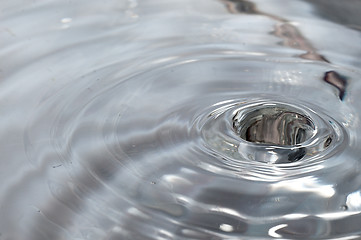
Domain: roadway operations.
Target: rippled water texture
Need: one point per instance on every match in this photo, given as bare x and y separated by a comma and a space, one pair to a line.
180, 119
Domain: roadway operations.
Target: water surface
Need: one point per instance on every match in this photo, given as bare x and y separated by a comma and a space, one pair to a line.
136, 120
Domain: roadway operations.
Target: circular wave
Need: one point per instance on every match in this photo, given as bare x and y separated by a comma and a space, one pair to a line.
171, 151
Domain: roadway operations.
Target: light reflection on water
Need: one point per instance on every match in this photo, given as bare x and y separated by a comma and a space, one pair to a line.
178, 119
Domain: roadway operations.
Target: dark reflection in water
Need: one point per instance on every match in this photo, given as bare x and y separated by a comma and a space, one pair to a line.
338, 81
343, 12
284, 29
241, 6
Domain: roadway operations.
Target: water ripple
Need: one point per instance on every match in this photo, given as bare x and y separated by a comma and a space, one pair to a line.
178, 120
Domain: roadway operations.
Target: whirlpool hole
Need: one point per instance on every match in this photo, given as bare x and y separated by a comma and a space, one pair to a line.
273, 125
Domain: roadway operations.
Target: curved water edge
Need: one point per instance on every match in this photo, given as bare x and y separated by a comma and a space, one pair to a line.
179, 120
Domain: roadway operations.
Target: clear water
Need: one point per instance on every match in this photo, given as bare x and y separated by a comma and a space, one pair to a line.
181, 119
